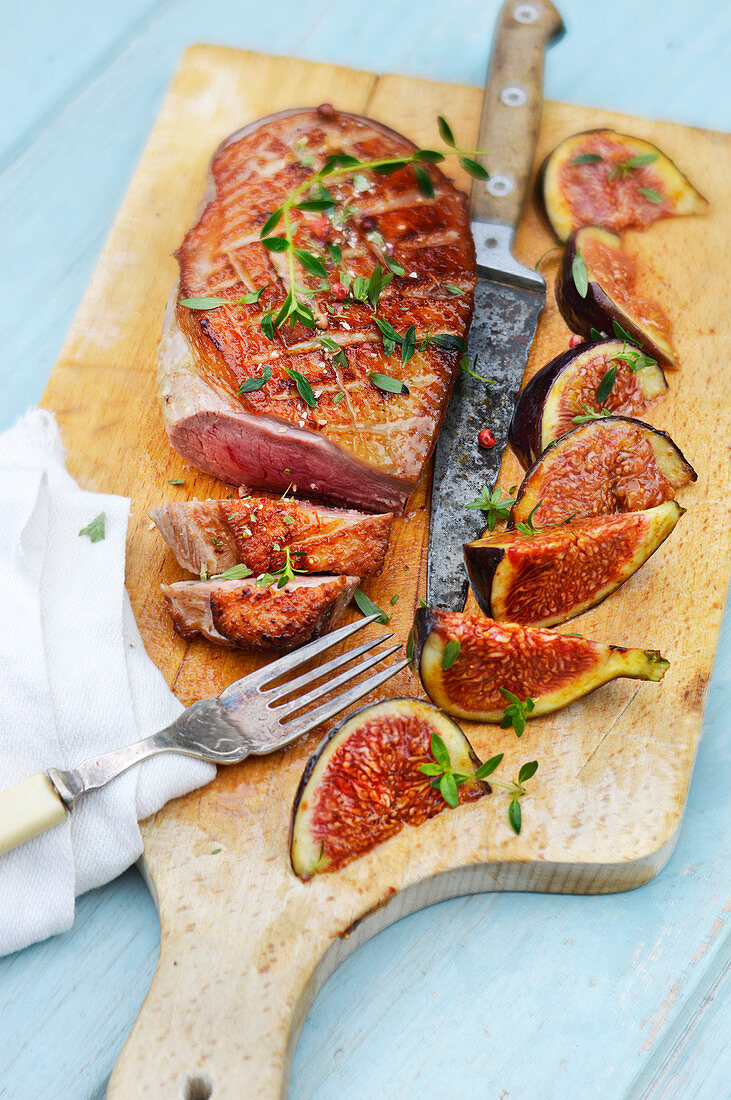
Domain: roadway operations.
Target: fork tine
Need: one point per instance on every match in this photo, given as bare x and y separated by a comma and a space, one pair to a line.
308, 722
289, 686
325, 689
294, 660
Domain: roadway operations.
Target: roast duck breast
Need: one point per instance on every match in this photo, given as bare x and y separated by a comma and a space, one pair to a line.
358, 446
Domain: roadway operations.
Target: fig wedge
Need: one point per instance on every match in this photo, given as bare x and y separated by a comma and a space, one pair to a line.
600, 177
560, 572
610, 465
245, 615
551, 669
600, 287
570, 384
362, 784
214, 535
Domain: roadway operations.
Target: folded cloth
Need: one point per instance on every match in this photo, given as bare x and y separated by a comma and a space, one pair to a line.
75, 682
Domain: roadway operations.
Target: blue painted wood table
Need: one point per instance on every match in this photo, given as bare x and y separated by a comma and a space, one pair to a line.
521, 996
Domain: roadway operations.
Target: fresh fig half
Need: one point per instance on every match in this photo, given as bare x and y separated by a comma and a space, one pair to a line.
600, 177
363, 784
560, 572
597, 288
609, 465
551, 669
572, 383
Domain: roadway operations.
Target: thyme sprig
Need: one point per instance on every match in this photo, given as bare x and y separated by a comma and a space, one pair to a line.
281, 576
589, 414
496, 505
445, 779
516, 712
313, 196
634, 357
620, 168
465, 367
528, 527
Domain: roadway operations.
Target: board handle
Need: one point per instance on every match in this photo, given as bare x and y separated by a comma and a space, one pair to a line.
28, 809
511, 108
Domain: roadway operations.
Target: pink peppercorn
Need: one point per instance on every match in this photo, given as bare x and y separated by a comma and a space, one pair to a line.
321, 227
338, 291
486, 439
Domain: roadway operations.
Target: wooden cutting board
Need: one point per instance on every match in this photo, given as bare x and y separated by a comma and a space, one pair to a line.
245, 945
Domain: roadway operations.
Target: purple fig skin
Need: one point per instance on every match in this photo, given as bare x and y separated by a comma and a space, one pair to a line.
526, 427
424, 623
481, 563
597, 310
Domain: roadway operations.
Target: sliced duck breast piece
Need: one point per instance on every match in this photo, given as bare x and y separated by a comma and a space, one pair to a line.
244, 615
213, 535
358, 444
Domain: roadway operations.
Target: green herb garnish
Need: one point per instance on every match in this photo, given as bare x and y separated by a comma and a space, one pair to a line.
387, 384
578, 271
447, 781
233, 573
367, 607
496, 505
516, 712
304, 389
176, 481
450, 653
605, 386
467, 369
589, 414
281, 576
634, 358
651, 195
256, 383
587, 158
96, 530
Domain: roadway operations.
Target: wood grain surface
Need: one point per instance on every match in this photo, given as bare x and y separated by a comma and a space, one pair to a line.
614, 769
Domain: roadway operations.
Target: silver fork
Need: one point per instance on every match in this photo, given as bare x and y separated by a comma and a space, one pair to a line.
248, 718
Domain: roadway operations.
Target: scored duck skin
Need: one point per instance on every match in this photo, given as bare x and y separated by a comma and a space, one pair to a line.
244, 615
366, 448
214, 535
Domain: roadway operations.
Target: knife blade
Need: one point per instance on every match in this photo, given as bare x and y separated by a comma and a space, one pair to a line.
508, 297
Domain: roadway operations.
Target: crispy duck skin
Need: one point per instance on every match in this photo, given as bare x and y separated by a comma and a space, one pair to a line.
359, 446
244, 615
213, 535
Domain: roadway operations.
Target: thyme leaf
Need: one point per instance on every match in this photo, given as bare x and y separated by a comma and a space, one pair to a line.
387, 384
580, 276
304, 389
367, 607
450, 653
257, 382
496, 505
97, 529
516, 712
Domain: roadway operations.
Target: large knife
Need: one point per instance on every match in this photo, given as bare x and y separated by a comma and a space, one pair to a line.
508, 298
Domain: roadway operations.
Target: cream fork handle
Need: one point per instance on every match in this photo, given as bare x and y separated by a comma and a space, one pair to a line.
28, 809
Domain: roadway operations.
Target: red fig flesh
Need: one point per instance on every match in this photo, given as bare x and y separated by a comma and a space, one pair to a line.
610, 465
362, 784
602, 287
568, 386
560, 572
551, 669
600, 177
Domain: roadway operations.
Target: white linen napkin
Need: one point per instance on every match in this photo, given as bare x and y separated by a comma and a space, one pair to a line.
75, 682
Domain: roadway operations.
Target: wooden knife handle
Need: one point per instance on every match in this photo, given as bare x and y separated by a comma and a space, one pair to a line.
511, 108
